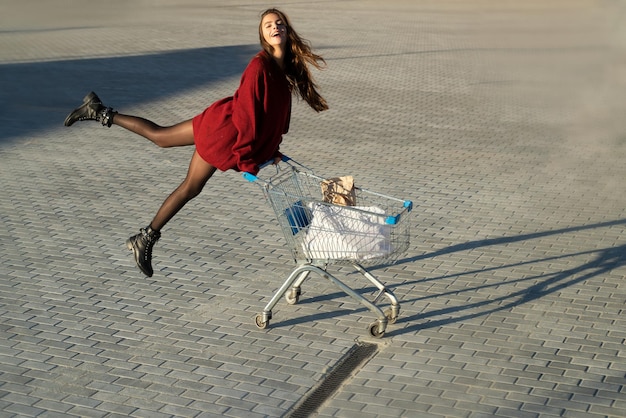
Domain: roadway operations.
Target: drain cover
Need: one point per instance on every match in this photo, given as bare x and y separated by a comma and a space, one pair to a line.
355, 357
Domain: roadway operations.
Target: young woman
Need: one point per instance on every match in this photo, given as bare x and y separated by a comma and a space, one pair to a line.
239, 132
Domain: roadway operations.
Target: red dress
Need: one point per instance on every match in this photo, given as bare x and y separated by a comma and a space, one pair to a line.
245, 130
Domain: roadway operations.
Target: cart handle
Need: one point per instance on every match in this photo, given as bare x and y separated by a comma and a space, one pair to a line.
252, 178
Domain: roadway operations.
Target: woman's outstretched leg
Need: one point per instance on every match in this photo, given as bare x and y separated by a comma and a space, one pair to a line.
141, 244
164, 136
177, 135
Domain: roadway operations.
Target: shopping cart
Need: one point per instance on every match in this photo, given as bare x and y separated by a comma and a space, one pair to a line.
375, 231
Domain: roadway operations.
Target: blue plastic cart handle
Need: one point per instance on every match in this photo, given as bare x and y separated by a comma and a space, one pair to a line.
252, 178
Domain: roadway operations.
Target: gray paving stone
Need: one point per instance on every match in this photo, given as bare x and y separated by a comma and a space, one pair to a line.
503, 125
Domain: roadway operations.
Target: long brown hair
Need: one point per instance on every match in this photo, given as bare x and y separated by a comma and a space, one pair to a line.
298, 55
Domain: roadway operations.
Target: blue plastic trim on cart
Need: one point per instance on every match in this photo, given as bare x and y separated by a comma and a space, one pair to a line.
250, 177
393, 220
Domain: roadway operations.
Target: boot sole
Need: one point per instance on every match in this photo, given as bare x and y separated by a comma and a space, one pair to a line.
68, 120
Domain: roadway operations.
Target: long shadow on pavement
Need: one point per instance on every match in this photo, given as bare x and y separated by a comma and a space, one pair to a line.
606, 260
35, 96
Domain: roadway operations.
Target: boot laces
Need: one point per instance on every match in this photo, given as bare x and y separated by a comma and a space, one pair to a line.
95, 107
105, 116
149, 239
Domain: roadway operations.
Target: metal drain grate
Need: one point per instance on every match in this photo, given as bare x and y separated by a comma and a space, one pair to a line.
355, 357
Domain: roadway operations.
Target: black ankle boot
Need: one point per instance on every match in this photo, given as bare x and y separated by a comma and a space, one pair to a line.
91, 109
141, 245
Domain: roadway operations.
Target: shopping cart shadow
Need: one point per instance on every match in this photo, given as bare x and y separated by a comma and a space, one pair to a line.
604, 261
326, 314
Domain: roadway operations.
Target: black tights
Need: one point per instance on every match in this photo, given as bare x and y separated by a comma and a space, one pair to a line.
178, 135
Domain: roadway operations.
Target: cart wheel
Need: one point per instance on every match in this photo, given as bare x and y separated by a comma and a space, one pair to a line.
293, 296
373, 329
259, 322
390, 319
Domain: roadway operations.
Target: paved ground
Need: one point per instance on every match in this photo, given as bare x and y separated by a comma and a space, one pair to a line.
503, 122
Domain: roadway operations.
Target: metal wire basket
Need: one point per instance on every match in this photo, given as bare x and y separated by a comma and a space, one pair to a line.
373, 231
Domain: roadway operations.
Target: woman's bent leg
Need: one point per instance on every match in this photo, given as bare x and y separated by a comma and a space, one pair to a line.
177, 135
141, 244
198, 174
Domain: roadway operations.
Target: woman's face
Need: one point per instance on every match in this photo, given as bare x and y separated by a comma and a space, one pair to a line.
274, 30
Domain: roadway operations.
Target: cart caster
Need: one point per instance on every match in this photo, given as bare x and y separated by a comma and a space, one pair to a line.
375, 331
293, 296
391, 319
260, 323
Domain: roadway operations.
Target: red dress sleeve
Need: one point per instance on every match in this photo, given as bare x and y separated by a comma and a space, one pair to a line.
248, 113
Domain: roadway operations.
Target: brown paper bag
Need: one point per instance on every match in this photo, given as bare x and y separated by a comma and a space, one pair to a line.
339, 191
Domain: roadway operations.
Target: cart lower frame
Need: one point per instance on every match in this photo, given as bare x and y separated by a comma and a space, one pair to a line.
291, 290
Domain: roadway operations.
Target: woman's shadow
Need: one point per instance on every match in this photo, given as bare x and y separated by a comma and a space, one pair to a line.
48, 90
